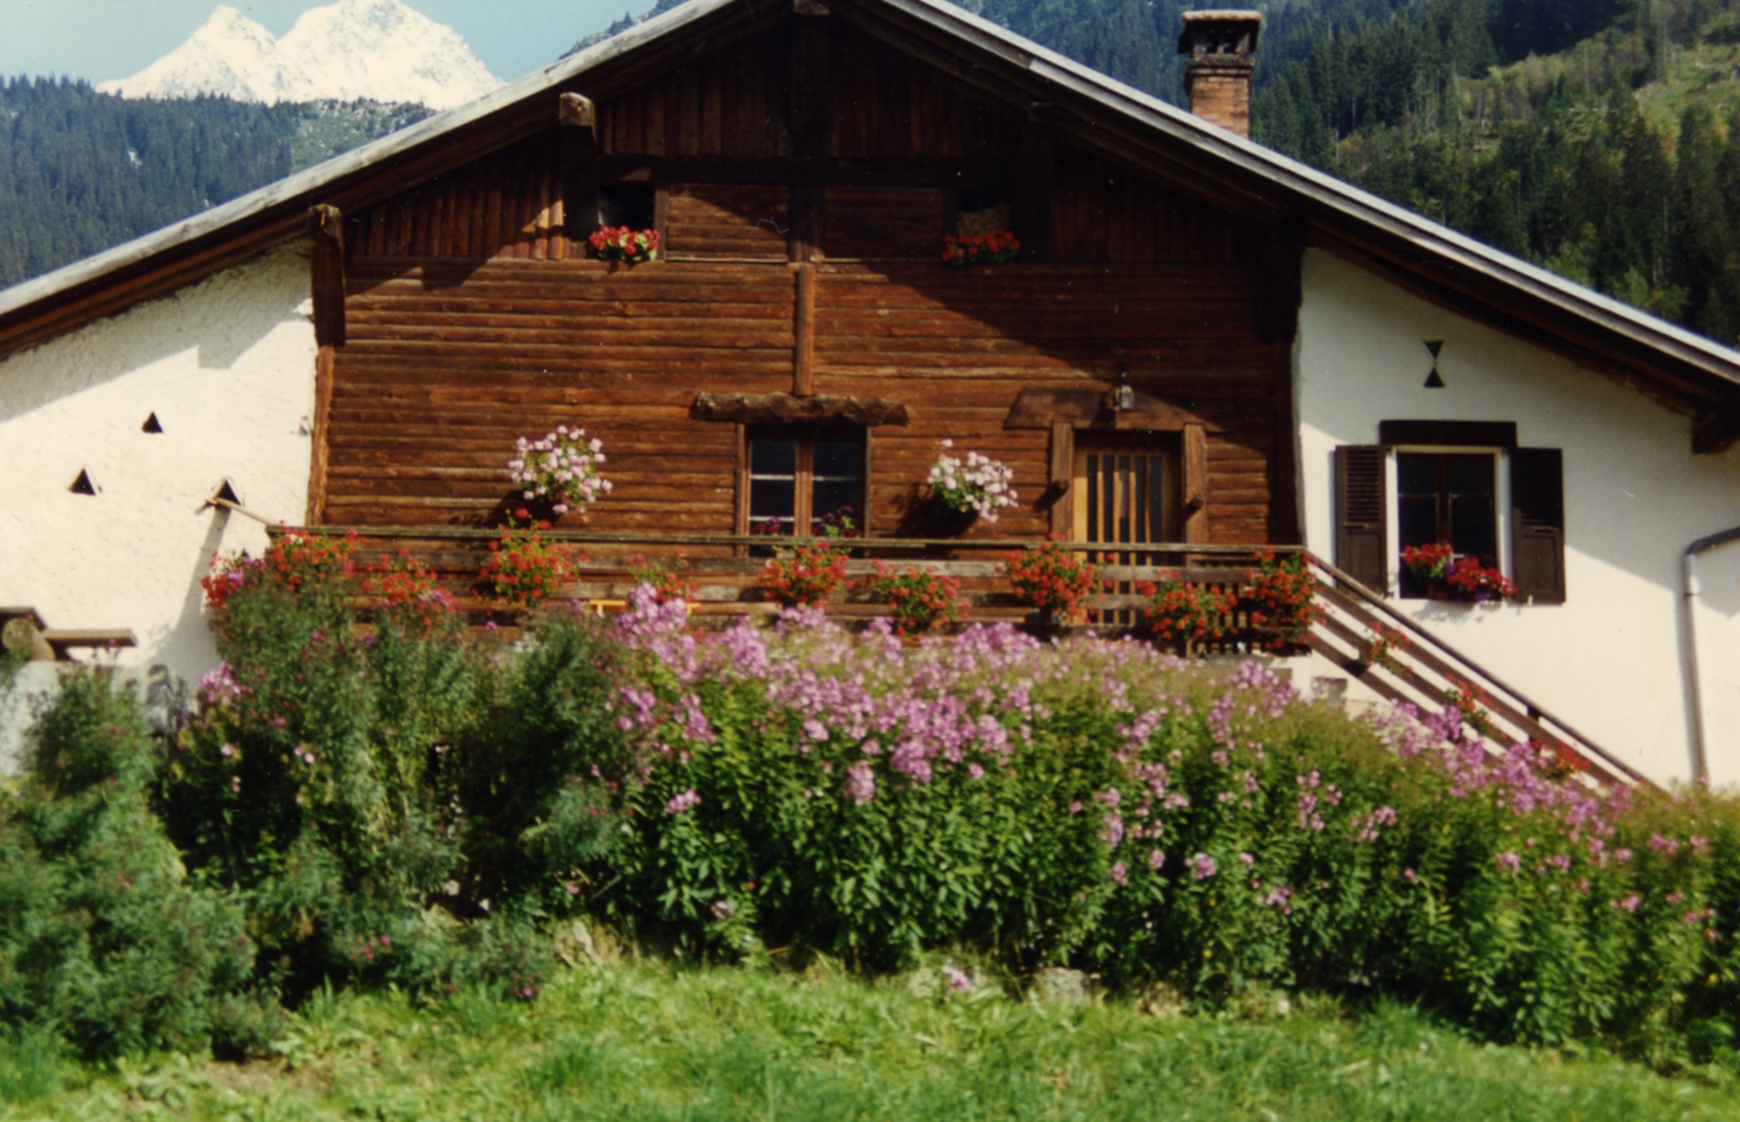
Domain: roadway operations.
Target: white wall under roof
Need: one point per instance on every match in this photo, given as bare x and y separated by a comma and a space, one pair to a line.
1610, 660
227, 365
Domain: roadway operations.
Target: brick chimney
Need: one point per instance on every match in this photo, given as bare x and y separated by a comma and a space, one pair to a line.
1221, 46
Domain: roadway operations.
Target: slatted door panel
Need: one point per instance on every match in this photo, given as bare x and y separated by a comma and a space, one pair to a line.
1126, 497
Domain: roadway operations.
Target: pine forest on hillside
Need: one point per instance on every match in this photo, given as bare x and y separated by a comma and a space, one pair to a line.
82, 171
1590, 136
1600, 138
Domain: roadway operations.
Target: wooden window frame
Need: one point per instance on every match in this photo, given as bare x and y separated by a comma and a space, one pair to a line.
803, 477
1528, 504
1443, 498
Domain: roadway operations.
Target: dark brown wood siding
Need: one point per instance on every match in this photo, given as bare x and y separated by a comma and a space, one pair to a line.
958, 345
470, 320
508, 204
442, 372
728, 220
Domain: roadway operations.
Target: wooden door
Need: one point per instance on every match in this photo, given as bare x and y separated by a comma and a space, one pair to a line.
1126, 494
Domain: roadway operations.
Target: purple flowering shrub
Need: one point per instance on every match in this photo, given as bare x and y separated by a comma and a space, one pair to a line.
1101, 804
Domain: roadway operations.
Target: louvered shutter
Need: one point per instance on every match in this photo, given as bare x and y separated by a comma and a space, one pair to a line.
1537, 523
1361, 515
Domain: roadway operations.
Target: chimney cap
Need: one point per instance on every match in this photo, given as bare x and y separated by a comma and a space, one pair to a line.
1220, 31
1224, 15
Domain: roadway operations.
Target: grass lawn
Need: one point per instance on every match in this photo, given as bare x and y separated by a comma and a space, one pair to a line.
649, 1041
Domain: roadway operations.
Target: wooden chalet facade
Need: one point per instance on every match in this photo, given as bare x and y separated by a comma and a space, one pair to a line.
804, 170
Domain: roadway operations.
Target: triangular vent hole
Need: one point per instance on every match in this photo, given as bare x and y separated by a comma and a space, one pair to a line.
152, 424
83, 485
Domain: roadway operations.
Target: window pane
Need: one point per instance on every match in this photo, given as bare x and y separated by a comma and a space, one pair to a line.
772, 505
773, 457
1470, 475
838, 459
835, 498
1471, 528
1416, 473
1417, 520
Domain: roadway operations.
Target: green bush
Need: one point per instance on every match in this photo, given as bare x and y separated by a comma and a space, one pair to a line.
102, 937
395, 803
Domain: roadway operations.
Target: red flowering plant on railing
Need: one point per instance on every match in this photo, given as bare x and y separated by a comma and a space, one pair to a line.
993, 247
805, 574
296, 559
1180, 611
1384, 645
1470, 700
669, 577
523, 566
919, 597
1557, 760
1283, 595
619, 243
408, 592
1448, 577
1050, 578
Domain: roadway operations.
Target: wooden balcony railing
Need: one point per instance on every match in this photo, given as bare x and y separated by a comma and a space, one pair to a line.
1355, 632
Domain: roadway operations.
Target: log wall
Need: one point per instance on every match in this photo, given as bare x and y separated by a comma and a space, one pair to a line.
471, 319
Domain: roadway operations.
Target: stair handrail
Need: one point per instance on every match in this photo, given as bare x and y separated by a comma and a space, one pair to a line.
1535, 710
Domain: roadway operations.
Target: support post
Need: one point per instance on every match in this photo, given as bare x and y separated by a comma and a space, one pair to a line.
810, 109
803, 374
326, 273
578, 121
1035, 178
1195, 472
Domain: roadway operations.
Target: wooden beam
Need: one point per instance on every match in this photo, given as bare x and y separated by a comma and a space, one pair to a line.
1039, 408
803, 374
1195, 480
1283, 263
808, 208
810, 106
1062, 472
1718, 430
324, 362
1035, 177
577, 119
807, 170
326, 269
787, 409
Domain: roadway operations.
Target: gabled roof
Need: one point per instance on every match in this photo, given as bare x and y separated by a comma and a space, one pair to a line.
1686, 371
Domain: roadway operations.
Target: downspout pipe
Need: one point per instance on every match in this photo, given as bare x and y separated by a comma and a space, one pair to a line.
1689, 607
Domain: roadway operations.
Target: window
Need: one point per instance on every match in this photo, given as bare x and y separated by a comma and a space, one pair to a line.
810, 479
1503, 504
1447, 497
634, 205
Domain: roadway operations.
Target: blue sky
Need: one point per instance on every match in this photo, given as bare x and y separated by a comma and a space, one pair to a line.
103, 39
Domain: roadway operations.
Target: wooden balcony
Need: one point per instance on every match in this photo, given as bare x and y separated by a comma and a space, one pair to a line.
726, 574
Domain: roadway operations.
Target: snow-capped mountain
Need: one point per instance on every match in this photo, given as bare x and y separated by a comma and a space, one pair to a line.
375, 49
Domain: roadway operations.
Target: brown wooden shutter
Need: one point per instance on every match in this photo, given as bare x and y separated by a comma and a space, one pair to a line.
1361, 515
1537, 523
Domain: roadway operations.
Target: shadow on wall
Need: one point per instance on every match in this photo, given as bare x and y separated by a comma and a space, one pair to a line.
183, 647
238, 308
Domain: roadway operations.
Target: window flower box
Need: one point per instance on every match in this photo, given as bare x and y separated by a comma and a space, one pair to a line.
1445, 576
619, 243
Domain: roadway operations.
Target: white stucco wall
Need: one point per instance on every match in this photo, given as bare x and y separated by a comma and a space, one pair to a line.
227, 365
1611, 660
